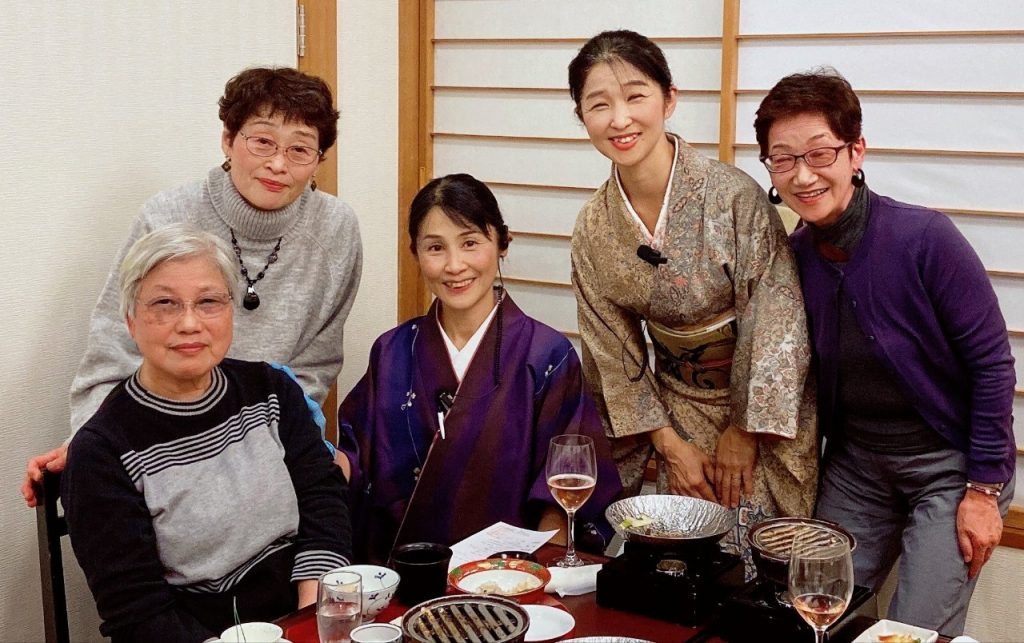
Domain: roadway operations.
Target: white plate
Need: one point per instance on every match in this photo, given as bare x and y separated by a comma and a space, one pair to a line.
548, 623
884, 626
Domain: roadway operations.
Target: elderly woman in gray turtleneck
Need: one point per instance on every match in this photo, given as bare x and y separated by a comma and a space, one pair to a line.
915, 376
298, 249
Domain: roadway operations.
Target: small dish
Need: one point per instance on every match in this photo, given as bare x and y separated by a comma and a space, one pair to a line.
518, 555
885, 627
548, 623
520, 580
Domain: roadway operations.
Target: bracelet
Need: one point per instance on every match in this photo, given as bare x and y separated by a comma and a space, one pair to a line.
993, 492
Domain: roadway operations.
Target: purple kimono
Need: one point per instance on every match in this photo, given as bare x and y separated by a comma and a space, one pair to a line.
409, 484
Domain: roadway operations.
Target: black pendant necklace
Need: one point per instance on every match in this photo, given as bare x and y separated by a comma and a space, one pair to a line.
251, 301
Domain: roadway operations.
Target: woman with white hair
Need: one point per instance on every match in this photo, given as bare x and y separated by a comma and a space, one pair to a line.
201, 485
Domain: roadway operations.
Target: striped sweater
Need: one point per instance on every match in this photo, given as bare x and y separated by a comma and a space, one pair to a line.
164, 496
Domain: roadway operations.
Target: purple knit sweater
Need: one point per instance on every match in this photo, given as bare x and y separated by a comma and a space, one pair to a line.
924, 302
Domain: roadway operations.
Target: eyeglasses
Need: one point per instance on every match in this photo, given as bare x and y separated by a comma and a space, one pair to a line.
818, 157
263, 146
164, 310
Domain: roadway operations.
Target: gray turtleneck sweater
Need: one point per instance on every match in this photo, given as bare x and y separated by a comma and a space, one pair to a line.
305, 296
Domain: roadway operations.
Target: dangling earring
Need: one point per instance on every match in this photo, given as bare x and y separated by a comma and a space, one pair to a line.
773, 196
858, 179
312, 184
226, 165
500, 286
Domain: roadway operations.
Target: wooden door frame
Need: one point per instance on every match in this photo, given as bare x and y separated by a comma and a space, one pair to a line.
321, 59
415, 141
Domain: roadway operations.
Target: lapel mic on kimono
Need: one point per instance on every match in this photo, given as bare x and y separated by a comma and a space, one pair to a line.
445, 401
650, 255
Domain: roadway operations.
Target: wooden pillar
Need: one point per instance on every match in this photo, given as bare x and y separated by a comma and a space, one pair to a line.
730, 60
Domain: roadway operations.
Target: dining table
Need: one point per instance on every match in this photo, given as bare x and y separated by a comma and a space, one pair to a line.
591, 619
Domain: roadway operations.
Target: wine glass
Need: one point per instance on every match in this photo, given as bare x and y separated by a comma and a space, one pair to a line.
820, 581
339, 605
572, 474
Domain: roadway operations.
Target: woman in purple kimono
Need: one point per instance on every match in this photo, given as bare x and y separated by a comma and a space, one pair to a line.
448, 430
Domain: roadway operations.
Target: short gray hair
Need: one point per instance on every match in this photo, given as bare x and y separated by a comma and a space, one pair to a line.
176, 241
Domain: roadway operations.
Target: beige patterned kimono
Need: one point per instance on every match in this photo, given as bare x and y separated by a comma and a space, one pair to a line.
726, 248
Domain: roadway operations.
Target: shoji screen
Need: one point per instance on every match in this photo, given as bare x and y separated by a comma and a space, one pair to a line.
502, 113
942, 88
941, 83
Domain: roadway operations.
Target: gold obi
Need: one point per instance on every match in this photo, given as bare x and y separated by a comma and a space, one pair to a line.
699, 355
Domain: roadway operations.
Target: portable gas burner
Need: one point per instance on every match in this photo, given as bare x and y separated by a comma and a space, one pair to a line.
684, 587
759, 612
671, 567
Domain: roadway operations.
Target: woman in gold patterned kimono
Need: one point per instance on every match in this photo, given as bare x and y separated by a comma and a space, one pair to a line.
691, 249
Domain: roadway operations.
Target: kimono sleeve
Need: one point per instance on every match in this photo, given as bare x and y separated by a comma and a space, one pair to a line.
772, 359
613, 351
562, 406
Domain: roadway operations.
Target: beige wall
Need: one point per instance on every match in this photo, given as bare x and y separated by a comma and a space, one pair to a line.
368, 166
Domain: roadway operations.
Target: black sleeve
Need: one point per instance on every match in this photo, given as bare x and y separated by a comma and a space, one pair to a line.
113, 539
325, 531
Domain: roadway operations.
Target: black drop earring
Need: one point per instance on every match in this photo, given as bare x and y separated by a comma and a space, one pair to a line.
312, 184
226, 165
858, 179
773, 196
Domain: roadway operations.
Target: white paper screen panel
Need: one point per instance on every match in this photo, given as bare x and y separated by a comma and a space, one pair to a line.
835, 16
541, 259
920, 122
968, 64
545, 114
553, 18
540, 210
940, 182
997, 241
545, 65
554, 306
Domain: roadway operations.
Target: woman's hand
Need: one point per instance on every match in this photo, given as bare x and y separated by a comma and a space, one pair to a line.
978, 529
734, 465
689, 469
53, 461
341, 459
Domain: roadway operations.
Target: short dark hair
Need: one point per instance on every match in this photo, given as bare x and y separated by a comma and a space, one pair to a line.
264, 91
467, 202
821, 91
618, 46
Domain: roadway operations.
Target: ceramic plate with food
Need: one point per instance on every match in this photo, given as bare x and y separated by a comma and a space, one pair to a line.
886, 631
513, 578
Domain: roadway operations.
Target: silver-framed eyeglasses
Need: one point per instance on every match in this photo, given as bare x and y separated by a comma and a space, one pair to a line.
818, 157
263, 146
163, 310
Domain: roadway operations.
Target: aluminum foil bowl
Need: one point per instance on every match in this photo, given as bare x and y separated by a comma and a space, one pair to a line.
675, 520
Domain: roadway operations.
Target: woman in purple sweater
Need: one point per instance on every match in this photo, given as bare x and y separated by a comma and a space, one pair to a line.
915, 376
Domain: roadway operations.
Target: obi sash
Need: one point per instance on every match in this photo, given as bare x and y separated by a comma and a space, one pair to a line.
699, 355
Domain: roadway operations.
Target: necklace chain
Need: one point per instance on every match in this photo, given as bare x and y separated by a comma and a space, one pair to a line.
252, 300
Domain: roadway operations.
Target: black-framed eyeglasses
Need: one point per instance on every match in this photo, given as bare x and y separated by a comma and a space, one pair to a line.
818, 157
163, 310
263, 146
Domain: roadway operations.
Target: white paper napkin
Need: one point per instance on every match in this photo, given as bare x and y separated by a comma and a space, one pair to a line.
572, 581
